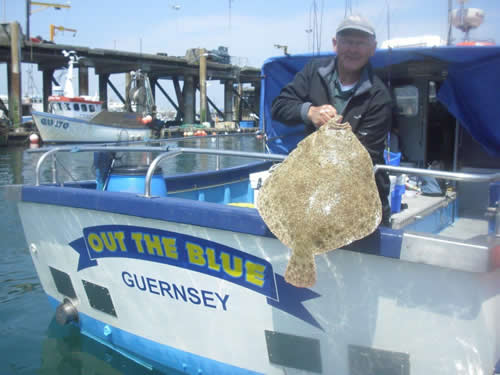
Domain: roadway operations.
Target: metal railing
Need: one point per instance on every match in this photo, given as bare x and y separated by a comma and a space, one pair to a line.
455, 176
133, 146
169, 152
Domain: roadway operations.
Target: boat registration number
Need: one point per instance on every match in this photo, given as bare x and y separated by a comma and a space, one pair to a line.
55, 123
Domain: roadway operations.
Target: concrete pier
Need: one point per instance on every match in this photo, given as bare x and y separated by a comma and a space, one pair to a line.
14, 49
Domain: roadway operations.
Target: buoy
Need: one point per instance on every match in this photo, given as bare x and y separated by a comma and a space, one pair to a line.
66, 312
259, 136
146, 119
34, 138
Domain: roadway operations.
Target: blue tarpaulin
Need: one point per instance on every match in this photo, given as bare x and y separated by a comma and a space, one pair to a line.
471, 90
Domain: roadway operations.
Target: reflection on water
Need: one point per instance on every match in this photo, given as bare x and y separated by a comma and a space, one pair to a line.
73, 166
66, 351
31, 342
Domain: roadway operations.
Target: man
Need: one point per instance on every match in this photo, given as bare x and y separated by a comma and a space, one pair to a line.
346, 85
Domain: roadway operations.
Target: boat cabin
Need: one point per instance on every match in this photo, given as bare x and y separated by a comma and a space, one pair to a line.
443, 119
77, 107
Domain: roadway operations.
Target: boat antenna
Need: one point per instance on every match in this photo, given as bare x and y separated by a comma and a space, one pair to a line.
229, 15
316, 26
68, 85
388, 20
348, 8
229, 24
450, 28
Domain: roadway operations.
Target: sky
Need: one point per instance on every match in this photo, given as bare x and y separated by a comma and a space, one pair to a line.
251, 29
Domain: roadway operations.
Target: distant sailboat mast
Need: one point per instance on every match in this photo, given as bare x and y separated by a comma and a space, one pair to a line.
450, 26
68, 85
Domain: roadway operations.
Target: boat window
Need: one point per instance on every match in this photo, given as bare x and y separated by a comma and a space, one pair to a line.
67, 106
76, 106
91, 108
84, 107
406, 100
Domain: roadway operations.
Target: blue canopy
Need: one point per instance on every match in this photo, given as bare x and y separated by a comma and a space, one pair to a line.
471, 90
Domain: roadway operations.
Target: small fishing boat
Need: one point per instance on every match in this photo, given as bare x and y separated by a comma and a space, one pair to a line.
81, 119
181, 272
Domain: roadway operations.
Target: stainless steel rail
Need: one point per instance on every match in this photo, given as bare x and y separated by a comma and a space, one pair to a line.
55, 150
204, 151
167, 152
455, 176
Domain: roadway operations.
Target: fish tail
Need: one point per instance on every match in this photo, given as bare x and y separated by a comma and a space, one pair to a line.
301, 270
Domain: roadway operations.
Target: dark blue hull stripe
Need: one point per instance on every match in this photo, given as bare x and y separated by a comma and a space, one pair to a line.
384, 241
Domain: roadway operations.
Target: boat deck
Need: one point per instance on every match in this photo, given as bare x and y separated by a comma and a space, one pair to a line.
443, 210
419, 206
467, 229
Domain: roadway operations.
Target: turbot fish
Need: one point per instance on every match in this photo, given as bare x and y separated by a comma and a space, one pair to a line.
322, 197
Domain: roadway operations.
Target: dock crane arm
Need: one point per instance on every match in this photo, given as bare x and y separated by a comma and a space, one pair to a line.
44, 5
53, 29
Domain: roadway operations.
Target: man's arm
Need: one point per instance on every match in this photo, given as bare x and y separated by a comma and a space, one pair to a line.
292, 104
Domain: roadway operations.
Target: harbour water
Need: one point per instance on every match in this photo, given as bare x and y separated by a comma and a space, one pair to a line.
31, 341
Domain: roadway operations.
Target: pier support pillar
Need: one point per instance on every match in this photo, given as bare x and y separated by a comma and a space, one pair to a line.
180, 100
103, 89
228, 100
47, 75
189, 99
14, 82
83, 80
238, 103
203, 85
128, 82
257, 86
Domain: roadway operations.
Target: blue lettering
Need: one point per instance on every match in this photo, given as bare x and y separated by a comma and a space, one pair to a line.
151, 286
223, 300
143, 288
165, 287
177, 292
66, 125
193, 296
206, 298
127, 279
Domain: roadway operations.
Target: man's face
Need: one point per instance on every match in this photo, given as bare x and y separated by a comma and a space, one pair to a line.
354, 49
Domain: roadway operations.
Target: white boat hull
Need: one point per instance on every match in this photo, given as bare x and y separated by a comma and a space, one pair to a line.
61, 129
420, 318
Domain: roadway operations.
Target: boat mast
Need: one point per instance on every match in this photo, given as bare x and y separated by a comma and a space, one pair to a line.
68, 85
449, 37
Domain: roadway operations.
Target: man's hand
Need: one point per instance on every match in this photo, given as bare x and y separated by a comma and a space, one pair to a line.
319, 116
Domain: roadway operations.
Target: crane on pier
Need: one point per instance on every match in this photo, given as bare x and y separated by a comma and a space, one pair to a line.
53, 29
42, 6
